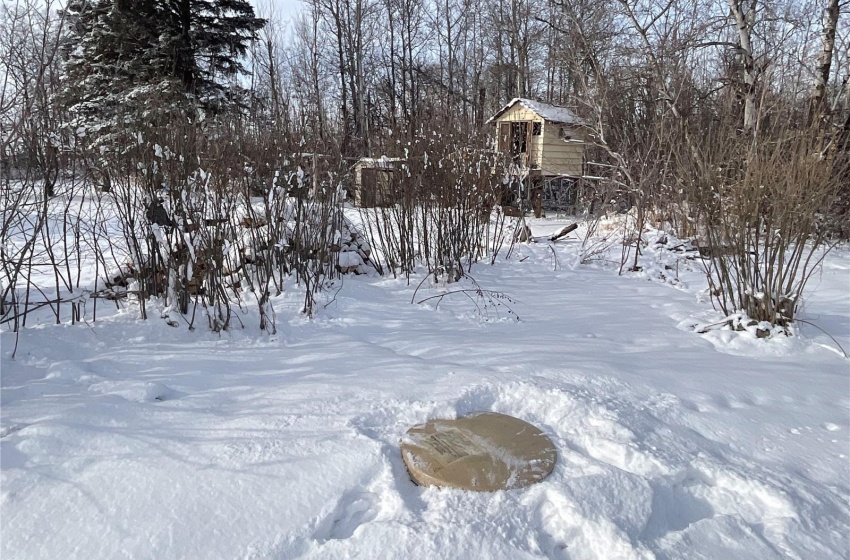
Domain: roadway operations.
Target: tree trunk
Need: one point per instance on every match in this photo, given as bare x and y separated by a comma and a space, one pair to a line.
449, 61
346, 130
359, 54
820, 106
744, 20
392, 74
314, 71
847, 96
273, 82
185, 57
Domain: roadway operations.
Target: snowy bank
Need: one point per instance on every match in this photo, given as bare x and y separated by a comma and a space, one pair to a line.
130, 439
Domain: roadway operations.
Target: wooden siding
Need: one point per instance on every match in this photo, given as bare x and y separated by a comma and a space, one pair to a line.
561, 157
535, 150
519, 113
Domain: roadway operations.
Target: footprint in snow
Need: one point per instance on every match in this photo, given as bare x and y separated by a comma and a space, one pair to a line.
564, 533
353, 510
678, 504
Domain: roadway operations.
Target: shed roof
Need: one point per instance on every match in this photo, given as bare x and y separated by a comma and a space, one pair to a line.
382, 162
552, 113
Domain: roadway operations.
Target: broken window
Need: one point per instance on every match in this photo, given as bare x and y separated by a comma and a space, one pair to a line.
505, 137
519, 137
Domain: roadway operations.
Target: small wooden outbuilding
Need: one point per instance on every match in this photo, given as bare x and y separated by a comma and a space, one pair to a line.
375, 181
545, 139
546, 144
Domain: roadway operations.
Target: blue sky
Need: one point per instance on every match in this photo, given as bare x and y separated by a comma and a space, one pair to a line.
287, 9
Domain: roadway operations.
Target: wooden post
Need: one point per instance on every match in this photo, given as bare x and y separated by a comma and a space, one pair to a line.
537, 196
313, 177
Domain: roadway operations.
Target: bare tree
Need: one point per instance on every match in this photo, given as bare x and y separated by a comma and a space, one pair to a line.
744, 14
830, 23
312, 82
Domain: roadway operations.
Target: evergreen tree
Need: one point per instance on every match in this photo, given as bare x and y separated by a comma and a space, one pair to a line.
131, 60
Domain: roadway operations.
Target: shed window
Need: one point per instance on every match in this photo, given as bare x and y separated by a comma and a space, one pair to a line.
536, 129
519, 137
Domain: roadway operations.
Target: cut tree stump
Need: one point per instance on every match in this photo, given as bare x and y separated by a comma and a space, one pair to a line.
483, 452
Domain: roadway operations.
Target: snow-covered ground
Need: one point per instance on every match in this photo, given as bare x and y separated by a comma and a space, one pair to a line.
132, 439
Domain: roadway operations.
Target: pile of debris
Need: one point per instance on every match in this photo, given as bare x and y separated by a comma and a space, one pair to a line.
354, 253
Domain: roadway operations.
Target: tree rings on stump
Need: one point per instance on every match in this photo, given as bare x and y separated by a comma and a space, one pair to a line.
482, 452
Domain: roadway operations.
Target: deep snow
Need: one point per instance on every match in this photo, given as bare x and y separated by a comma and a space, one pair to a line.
132, 439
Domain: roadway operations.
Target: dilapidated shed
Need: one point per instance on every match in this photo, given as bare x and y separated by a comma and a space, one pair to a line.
375, 181
546, 139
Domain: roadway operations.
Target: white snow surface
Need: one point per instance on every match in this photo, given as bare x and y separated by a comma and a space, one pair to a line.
131, 439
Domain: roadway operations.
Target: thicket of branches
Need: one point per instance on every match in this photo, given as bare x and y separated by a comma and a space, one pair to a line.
730, 119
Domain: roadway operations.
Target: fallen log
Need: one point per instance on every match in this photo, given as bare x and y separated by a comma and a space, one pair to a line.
562, 232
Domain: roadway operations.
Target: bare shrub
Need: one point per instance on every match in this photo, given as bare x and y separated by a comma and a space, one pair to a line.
39, 229
761, 205
439, 213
